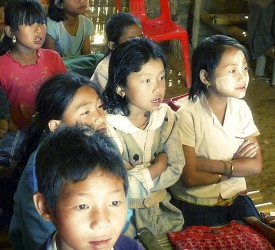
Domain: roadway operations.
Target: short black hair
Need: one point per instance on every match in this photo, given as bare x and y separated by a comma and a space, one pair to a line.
71, 154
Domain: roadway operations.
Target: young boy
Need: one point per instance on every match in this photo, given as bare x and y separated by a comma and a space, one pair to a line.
82, 185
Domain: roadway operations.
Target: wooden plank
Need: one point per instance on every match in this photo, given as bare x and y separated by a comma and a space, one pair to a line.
228, 19
234, 31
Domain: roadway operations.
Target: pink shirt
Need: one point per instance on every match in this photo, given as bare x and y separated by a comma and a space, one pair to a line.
21, 83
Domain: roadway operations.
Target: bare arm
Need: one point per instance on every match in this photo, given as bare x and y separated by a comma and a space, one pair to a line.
192, 175
86, 47
246, 161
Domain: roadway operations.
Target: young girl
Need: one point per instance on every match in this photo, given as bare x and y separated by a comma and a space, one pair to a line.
218, 137
145, 132
119, 28
64, 99
68, 30
24, 66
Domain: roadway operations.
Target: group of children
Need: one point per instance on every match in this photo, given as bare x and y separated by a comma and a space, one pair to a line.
185, 168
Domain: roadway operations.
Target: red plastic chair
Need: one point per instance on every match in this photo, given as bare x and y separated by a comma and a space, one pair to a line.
118, 5
162, 28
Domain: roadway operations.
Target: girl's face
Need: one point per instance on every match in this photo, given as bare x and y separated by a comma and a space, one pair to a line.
129, 32
90, 214
30, 36
231, 75
85, 109
146, 89
75, 7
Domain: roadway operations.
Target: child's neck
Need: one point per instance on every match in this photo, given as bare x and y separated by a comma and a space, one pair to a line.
140, 120
24, 57
71, 24
218, 106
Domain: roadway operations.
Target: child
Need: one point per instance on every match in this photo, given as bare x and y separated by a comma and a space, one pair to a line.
64, 99
119, 28
218, 137
145, 132
24, 66
82, 184
68, 30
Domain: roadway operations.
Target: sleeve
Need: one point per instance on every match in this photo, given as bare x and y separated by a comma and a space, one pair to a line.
186, 128
52, 29
140, 182
4, 104
88, 26
176, 161
100, 75
59, 65
34, 229
248, 126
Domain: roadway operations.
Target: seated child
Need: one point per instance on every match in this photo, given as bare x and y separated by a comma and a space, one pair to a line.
82, 186
119, 28
65, 99
68, 29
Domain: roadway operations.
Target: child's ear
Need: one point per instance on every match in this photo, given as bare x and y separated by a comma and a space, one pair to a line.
8, 31
58, 4
53, 124
204, 77
111, 45
42, 206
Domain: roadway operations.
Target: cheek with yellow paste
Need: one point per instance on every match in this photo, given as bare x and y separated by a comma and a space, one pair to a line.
226, 84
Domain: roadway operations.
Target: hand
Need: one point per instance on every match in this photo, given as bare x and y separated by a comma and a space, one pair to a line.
128, 165
246, 149
161, 159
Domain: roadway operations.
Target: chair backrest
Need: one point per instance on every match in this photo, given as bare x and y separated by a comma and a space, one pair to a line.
138, 9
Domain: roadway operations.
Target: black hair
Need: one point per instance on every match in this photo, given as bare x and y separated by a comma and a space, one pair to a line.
52, 100
70, 155
116, 24
21, 12
56, 13
126, 58
207, 56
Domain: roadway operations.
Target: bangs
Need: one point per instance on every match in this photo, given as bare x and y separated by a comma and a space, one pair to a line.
28, 13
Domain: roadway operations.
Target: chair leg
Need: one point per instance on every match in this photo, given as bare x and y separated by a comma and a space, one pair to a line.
186, 61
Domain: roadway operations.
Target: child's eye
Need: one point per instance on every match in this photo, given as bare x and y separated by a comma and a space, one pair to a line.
116, 203
232, 71
146, 81
82, 207
246, 68
162, 78
100, 106
85, 112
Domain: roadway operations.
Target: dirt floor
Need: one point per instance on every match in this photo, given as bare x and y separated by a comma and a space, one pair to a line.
261, 99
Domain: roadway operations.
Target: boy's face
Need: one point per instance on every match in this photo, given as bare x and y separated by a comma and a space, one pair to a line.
90, 214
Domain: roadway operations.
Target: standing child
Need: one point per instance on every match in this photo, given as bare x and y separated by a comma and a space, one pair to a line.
65, 99
119, 28
24, 66
218, 137
82, 186
145, 132
68, 30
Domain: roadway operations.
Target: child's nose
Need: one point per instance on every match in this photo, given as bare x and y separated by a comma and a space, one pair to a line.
99, 119
100, 220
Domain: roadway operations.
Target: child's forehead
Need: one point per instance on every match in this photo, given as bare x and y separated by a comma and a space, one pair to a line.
233, 55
